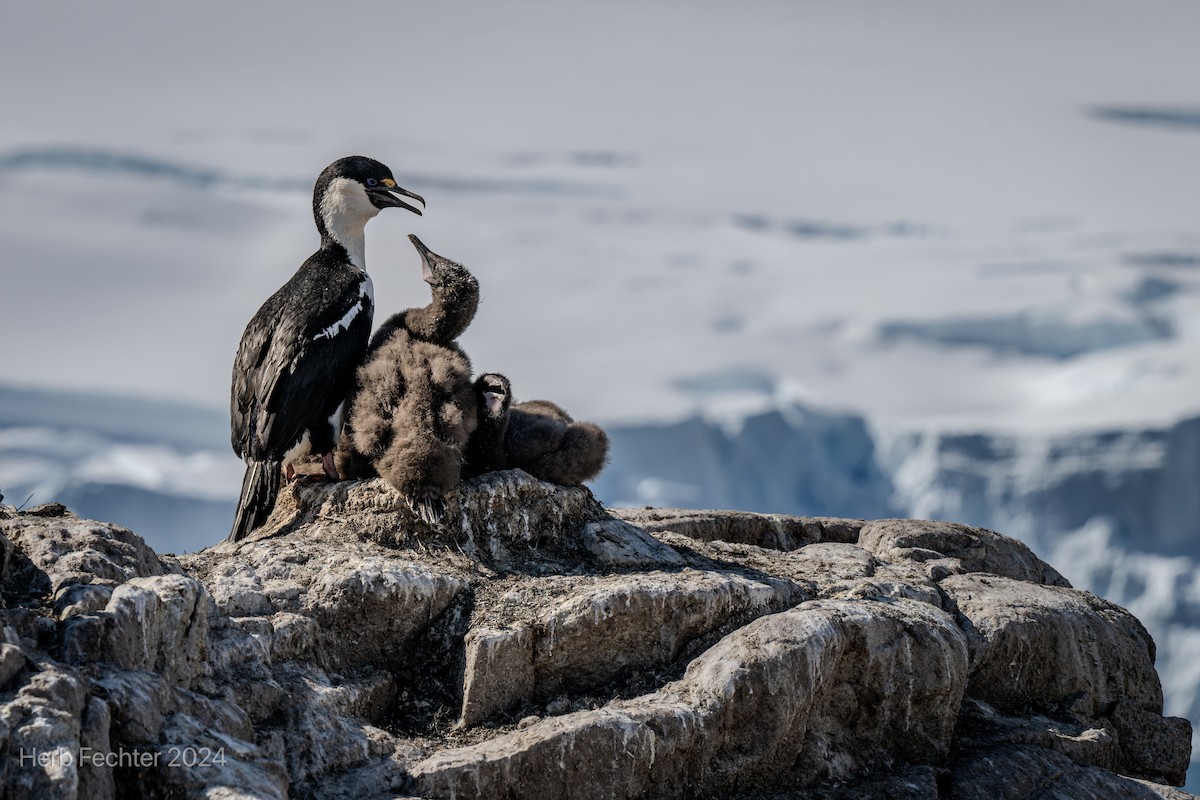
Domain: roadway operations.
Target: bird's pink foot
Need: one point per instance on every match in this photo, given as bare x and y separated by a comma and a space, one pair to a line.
329, 467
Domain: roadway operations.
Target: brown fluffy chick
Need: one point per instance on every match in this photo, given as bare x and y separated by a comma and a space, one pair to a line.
537, 436
413, 408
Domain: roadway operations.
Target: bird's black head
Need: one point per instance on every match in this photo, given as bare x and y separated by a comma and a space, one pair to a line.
374, 178
493, 394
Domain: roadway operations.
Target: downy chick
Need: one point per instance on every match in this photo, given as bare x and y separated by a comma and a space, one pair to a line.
537, 436
413, 409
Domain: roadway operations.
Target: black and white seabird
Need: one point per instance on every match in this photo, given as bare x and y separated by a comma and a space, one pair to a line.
537, 436
296, 360
412, 409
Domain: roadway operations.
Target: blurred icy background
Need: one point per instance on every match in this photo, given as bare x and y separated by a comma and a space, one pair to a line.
928, 259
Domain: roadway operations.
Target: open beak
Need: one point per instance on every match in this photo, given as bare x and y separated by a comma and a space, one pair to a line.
384, 197
426, 267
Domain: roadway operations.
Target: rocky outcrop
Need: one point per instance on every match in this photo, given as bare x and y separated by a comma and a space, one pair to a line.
540, 646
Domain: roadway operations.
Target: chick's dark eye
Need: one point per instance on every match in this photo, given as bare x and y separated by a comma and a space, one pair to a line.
372, 182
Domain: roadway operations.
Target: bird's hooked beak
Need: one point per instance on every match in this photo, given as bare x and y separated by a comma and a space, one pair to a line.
382, 196
426, 261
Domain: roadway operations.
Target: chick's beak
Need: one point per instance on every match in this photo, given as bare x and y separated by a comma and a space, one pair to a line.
426, 268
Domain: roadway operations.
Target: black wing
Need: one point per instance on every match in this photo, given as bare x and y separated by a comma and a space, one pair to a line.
297, 358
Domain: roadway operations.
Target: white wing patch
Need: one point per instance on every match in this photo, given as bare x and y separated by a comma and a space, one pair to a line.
366, 295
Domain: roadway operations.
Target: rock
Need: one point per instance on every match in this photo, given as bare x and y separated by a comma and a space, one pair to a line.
43, 723
190, 761
139, 704
982, 727
515, 510
771, 531
1152, 746
614, 543
542, 646
322, 731
780, 697
1032, 773
95, 772
1051, 648
12, 661
1070, 654
159, 624
958, 548
536, 639
82, 598
372, 608
57, 549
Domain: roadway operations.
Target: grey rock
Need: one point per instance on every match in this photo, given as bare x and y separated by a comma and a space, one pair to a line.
1070, 654
293, 636
43, 723
60, 549
614, 543
139, 703
96, 780
982, 727
772, 531
372, 607
778, 698
536, 638
539, 645
1033, 773
1152, 746
1048, 647
160, 624
82, 598
12, 661
958, 548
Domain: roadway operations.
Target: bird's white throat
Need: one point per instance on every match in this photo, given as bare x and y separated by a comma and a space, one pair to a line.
345, 209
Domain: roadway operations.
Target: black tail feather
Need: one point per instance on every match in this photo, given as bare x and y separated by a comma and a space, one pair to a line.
260, 487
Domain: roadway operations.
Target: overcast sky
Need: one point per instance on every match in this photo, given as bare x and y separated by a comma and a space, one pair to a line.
943, 113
